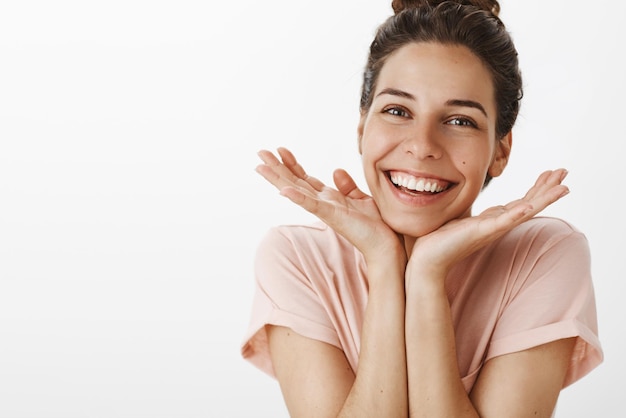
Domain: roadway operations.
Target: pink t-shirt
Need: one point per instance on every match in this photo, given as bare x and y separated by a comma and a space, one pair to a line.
530, 287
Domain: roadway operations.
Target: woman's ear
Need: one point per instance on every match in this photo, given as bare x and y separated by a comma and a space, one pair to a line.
501, 155
359, 131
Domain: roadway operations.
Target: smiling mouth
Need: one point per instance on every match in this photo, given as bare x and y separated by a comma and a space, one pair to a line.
417, 185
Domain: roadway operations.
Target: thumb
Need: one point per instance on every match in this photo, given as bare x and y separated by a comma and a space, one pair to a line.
346, 185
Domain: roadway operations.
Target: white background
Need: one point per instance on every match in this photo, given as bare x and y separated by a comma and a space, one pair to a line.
130, 209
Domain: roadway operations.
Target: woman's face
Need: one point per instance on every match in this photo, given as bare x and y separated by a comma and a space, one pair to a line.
428, 140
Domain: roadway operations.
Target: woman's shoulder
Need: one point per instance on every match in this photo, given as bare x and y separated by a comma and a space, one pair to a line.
542, 237
545, 228
314, 240
299, 259
299, 234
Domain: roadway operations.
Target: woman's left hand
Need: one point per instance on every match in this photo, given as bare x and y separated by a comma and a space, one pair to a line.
436, 252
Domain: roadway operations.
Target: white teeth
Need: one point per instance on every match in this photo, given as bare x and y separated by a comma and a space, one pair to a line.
418, 185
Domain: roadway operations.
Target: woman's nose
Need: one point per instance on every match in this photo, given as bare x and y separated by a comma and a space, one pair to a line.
423, 142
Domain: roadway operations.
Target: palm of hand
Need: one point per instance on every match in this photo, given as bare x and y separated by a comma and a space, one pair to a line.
347, 210
458, 238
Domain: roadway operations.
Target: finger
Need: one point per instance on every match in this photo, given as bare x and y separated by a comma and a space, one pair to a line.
346, 185
275, 173
272, 173
268, 157
509, 213
272, 176
547, 180
290, 161
547, 189
321, 208
282, 175
292, 164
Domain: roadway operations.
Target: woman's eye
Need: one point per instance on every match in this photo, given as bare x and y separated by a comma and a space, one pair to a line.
397, 111
462, 122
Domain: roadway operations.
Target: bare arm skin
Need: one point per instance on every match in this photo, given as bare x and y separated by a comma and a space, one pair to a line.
408, 361
315, 377
317, 381
524, 384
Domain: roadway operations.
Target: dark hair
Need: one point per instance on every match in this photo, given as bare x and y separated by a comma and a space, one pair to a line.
473, 24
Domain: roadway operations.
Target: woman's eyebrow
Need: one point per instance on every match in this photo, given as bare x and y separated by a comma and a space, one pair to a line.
396, 92
467, 103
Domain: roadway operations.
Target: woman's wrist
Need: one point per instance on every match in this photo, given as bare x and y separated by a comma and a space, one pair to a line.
424, 277
385, 257
385, 266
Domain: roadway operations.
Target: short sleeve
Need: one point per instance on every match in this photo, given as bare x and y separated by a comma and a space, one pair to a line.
283, 296
553, 298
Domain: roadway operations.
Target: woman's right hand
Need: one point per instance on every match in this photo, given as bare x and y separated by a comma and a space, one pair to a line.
349, 211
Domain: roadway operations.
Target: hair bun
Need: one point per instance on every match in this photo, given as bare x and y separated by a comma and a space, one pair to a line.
400, 5
491, 6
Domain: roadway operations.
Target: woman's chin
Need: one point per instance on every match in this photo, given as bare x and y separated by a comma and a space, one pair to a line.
413, 229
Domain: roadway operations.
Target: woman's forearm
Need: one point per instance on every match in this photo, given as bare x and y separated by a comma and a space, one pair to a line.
434, 384
380, 386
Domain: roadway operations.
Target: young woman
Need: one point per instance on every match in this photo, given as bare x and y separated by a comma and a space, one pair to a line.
402, 302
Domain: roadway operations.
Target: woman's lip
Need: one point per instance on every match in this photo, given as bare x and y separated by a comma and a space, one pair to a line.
418, 182
417, 175
417, 197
